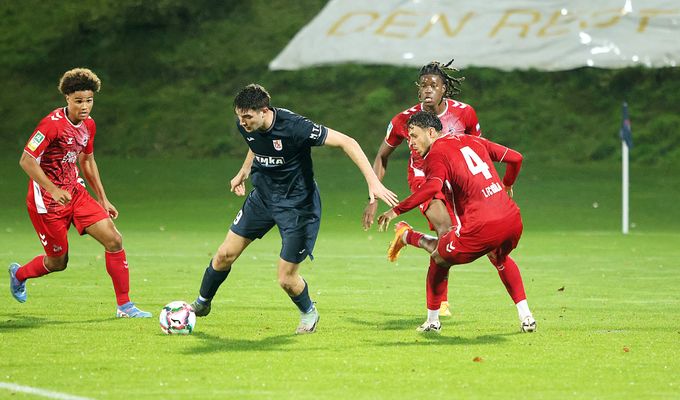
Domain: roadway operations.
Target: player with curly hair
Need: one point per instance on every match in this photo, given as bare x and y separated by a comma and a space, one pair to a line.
436, 88
57, 197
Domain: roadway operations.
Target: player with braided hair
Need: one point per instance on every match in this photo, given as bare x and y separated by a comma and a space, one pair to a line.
436, 85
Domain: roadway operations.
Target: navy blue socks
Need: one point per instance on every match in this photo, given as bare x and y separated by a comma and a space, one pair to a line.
212, 280
302, 301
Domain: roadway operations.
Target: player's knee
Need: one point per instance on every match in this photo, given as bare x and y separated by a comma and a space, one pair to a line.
439, 260
56, 264
223, 259
287, 283
114, 243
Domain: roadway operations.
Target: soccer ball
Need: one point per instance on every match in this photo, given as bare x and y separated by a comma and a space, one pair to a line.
177, 318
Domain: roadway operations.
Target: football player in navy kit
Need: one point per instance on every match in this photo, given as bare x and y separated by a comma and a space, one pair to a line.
284, 194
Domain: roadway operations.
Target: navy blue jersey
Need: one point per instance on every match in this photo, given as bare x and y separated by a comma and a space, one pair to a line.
282, 169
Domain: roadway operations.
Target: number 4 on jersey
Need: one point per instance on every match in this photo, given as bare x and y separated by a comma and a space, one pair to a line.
475, 163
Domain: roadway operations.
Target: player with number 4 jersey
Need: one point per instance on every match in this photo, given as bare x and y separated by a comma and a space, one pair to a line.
487, 221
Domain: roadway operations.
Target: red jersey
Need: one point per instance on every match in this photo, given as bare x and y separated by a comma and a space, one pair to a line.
56, 144
457, 118
461, 166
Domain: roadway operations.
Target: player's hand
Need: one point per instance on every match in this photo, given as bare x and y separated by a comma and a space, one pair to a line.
508, 190
110, 209
369, 214
384, 220
378, 190
61, 196
238, 186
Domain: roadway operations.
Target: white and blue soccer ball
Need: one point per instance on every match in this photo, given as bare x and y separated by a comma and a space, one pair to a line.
177, 318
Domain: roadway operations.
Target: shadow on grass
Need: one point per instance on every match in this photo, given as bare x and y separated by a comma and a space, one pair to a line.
433, 339
408, 324
11, 322
216, 344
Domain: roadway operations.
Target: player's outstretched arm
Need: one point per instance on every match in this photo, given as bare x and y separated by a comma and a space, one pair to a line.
237, 183
379, 167
91, 174
354, 151
32, 168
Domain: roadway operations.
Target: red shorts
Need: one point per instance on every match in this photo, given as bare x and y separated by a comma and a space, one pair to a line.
497, 239
414, 184
52, 227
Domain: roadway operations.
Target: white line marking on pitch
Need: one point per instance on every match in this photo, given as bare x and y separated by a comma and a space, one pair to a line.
40, 392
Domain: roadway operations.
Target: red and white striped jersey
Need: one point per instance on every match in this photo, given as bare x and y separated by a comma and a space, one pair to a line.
456, 118
56, 144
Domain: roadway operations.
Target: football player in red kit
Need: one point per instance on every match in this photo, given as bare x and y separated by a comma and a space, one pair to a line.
435, 88
486, 220
57, 198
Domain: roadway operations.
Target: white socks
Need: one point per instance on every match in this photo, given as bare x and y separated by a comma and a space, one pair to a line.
433, 315
523, 310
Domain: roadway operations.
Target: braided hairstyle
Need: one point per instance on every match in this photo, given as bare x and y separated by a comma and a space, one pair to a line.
437, 68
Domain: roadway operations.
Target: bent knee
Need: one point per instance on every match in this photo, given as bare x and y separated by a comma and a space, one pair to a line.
56, 264
114, 243
439, 260
287, 284
223, 259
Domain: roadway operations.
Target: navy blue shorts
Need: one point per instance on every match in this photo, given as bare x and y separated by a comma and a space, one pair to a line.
298, 226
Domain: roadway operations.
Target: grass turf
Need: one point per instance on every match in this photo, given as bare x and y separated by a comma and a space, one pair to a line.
607, 305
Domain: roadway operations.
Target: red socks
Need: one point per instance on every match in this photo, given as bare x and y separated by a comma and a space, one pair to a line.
413, 238
117, 267
512, 279
33, 269
437, 285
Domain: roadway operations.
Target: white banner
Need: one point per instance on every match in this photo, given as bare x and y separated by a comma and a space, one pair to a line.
517, 34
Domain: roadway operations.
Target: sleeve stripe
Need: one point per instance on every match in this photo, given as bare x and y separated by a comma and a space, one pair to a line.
387, 143
32, 156
506, 152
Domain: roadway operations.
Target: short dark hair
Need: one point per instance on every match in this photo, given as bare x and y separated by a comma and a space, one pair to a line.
79, 79
425, 119
252, 97
437, 68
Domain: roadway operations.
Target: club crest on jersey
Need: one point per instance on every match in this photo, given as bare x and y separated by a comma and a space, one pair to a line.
278, 146
36, 140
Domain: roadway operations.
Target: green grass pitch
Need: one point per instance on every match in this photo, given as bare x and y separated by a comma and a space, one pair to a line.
607, 305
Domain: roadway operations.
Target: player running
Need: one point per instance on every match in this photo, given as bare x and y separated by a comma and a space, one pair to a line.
57, 198
487, 221
435, 91
284, 194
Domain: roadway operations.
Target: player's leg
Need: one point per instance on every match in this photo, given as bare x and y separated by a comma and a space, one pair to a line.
218, 270
299, 228
440, 219
104, 231
52, 230
512, 279
436, 290
509, 273
298, 290
252, 222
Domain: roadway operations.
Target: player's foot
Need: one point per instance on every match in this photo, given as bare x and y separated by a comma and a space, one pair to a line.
398, 242
427, 326
201, 308
528, 324
444, 310
308, 322
16, 287
130, 310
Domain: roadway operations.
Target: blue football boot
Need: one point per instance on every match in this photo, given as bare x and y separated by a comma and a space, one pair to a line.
17, 288
130, 310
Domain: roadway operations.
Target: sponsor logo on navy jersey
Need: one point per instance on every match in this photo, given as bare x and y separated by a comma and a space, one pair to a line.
269, 161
